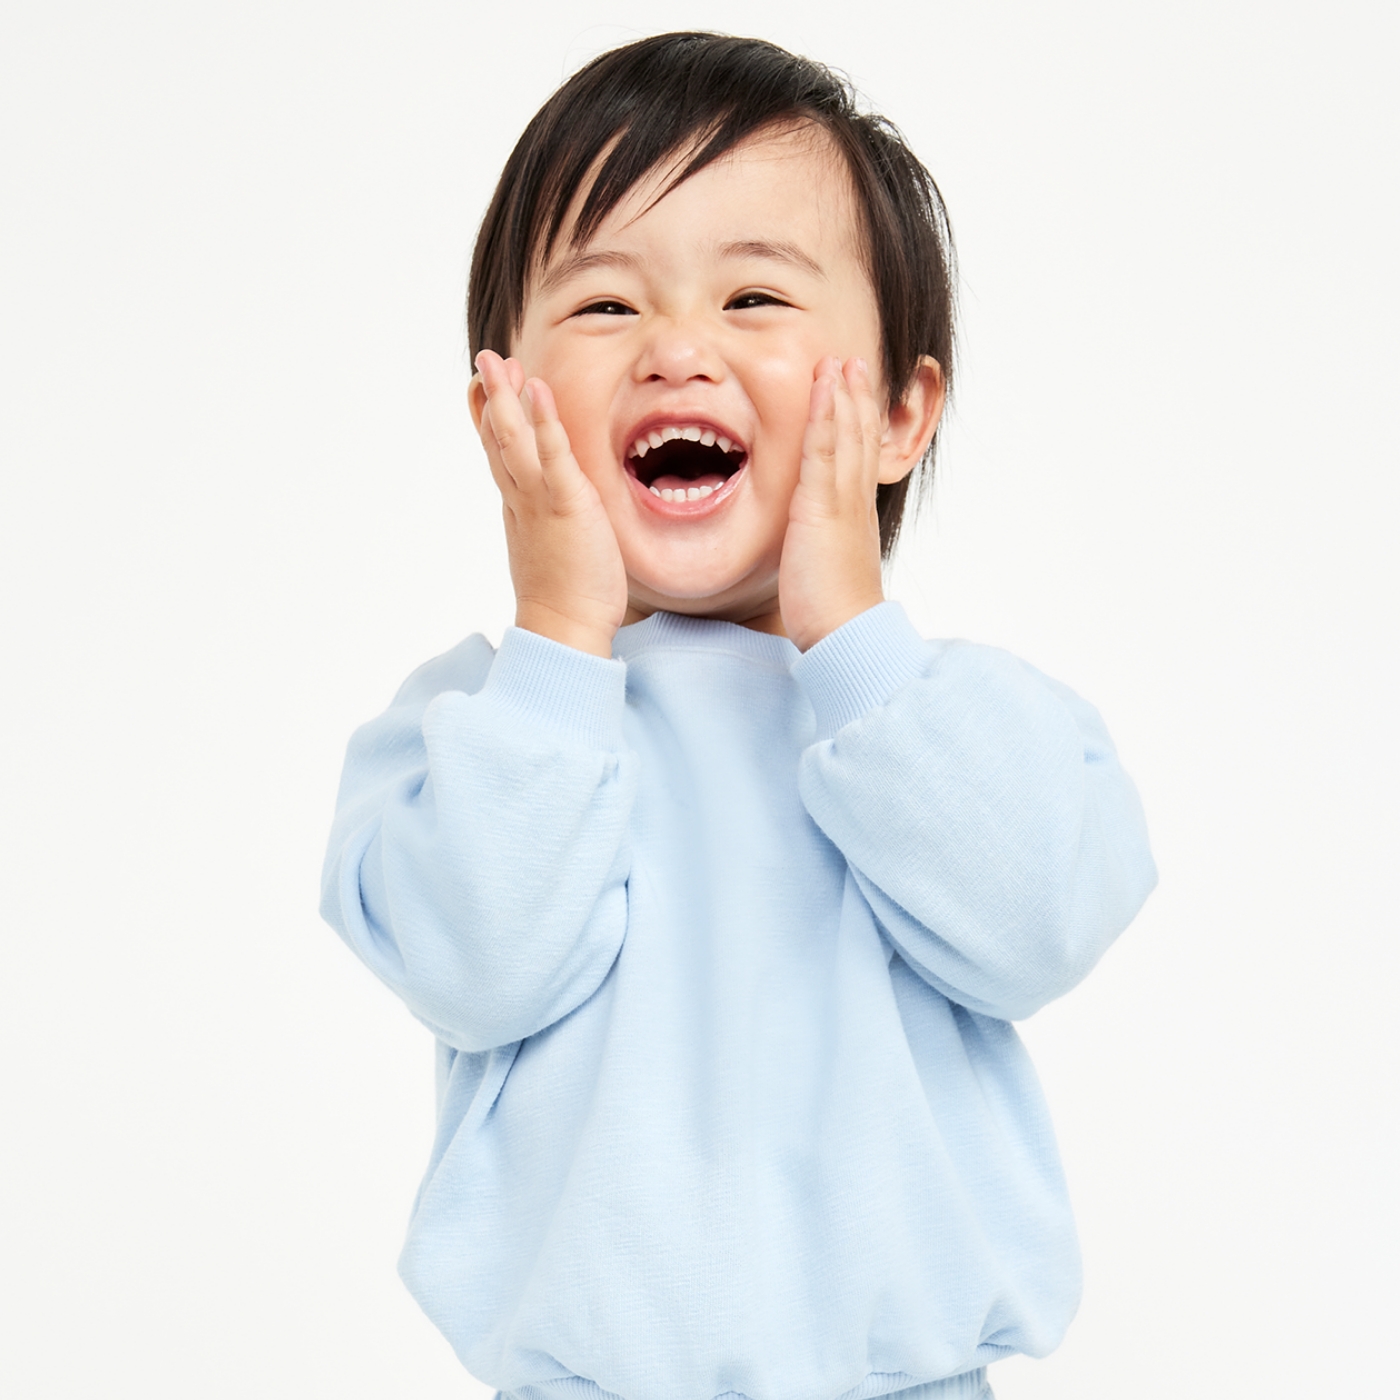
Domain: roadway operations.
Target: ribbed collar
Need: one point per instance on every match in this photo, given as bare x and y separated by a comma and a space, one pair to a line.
672, 631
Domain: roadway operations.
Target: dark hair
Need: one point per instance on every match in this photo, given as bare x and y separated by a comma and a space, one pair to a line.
656, 98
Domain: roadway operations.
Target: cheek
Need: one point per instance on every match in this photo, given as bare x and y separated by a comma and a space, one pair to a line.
566, 375
781, 383
782, 394
581, 396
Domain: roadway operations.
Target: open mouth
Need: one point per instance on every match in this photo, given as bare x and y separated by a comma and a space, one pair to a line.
684, 463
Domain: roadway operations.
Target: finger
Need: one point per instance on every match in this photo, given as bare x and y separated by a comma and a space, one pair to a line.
499, 376
849, 446
506, 484
511, 432
492, 369
487, 371
819, 442
872, 429
562, 475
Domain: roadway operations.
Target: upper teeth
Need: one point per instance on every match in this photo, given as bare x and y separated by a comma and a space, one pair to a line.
706, 436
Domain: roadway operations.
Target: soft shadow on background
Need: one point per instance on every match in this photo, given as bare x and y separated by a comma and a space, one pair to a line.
243, 499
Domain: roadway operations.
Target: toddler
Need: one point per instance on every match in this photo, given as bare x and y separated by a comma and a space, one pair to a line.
718, 885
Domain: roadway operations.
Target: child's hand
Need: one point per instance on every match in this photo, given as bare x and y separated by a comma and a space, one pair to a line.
570, 584
830, 569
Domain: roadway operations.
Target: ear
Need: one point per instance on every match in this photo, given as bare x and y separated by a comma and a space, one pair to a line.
912, 422
476, 400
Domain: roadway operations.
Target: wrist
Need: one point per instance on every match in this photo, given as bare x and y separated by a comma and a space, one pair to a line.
566, 629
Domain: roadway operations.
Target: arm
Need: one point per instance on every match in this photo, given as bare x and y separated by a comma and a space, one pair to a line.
980, 806
478, 863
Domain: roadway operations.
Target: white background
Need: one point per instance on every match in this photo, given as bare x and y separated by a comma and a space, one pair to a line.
242, 499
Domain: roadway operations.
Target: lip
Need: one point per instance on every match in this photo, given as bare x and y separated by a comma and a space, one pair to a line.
683, 510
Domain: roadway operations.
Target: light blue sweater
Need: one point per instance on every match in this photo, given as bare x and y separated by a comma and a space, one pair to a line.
720, 944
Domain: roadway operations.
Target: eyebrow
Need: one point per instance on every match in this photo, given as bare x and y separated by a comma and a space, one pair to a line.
774, 252
579, 262
737, 250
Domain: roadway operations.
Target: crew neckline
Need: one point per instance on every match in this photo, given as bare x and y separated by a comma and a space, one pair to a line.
665, 629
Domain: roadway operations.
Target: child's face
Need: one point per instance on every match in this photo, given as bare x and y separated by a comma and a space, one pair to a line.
706, 313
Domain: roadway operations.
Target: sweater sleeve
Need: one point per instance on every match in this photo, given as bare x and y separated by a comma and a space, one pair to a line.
478, 859
980, 806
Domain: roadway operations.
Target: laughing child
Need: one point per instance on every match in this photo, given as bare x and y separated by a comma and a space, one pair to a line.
718, 885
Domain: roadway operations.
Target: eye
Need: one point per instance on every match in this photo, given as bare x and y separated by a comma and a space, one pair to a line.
746, 301
605, 308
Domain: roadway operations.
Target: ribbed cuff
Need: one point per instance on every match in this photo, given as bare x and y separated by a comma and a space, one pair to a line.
860, 666
551, 686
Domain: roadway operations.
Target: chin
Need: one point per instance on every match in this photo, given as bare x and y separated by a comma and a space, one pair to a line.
701, 592
719, 606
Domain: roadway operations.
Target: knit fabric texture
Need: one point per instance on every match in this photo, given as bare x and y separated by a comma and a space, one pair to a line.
721, 945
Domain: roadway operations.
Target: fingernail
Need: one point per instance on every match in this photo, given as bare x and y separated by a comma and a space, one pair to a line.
862, 366
529, 394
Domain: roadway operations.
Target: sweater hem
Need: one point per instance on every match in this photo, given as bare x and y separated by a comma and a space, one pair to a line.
896, 1385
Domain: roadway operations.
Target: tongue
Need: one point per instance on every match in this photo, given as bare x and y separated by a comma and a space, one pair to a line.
679, 483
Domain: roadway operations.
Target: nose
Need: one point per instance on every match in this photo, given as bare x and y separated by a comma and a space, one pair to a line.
678, 350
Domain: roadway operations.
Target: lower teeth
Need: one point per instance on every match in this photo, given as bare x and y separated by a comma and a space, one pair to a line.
686, 493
